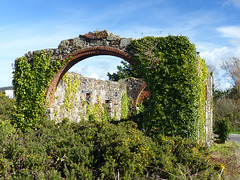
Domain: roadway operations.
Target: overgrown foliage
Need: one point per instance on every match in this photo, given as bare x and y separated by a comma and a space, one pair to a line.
169, 65
96, 112
222, 127
71, 88
203, 75
99, 150
6, 106
88, 110
124, 106
30, 84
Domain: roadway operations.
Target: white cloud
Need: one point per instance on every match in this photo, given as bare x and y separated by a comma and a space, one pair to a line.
230, 31
97, 67
235, 3
216, 55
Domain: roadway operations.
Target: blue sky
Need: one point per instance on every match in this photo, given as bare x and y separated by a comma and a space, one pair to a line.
28, 25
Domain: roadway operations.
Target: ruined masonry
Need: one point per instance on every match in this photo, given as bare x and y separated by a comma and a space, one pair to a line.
93, 44
80, 48
89, 92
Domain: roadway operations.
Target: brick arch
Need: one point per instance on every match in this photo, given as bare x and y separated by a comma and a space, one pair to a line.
142, 93
79, 56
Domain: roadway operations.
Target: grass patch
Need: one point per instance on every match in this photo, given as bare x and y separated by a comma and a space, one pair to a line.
227, 154
234, 132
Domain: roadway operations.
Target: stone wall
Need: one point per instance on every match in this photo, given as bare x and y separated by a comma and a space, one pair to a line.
133, 85
209, 111
91, 91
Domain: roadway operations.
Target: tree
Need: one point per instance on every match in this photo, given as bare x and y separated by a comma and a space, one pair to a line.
226, 103
232, 68
124, 71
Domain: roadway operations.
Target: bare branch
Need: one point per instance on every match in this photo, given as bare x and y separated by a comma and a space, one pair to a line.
232, 68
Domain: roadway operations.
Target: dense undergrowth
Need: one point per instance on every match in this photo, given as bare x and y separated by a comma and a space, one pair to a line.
101, 150
6, 106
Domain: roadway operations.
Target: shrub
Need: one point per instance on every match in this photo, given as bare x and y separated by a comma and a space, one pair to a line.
222, 127
226, 108
100, 150
177, 157
6, 106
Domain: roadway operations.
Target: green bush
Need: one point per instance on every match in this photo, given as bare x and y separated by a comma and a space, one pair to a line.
6, 106
177, 157
222, 127
226, 108
101, 150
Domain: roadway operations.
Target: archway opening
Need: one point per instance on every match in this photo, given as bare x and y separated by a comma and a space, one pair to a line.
71, 93
85, 92
79, 56
97, 67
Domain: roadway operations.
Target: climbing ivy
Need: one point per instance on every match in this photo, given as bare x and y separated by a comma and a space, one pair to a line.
124, 106
71, 88
97, 111
203, 71
30, 84
169, 66
92, 112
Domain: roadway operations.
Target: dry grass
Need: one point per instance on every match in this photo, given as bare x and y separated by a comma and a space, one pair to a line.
229, 155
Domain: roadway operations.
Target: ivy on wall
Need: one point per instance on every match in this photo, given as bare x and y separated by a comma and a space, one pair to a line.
124, 106
30, 84
71, 88
92, 112
97, 111
203, 71
169, 66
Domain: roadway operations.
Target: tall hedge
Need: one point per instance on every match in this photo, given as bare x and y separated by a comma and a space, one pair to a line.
169, 65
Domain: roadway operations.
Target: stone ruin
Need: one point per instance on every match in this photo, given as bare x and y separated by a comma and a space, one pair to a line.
102, 43
89, 92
